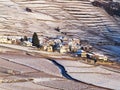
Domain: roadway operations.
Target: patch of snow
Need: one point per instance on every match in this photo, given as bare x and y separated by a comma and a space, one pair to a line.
92, 74
23, 86
40, 64
36, 80
41, 16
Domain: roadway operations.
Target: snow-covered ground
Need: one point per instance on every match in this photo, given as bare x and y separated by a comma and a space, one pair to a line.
28, 65
23, 86
65, 85
44, 17
42, 71
112, 51
68, 85
15, 67
40, 64
95, 75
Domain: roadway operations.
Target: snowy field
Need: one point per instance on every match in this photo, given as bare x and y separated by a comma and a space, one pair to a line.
40, 64
77, 70
112, 51
68, 85
15, 67
43, 72
23, 86
95, 75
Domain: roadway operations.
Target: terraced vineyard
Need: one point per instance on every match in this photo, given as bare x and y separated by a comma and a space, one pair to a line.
75, 18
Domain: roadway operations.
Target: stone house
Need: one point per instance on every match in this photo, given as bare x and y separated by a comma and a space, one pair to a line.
27, 43
16, 41
44, 48
86, 47
49, 48
97, 56
76, 41
101, 57
5, 40
64, 49
57, 41
84, 54
80, 53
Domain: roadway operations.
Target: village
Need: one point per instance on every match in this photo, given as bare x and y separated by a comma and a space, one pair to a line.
61, 44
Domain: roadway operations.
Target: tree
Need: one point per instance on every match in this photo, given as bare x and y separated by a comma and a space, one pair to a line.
28, 9
35, 40
21, 39
25, 38
57, 29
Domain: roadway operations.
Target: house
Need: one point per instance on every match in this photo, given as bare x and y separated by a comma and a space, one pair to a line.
73, 48
51, 42
42, 40
76, 41
44, 48
80, 53
57, 41
65, 39
27, 43
83, 54
102, 57
97, 56
64, 49
5, 40
56, 47
86, 47
15, 41
9, 42
49, 48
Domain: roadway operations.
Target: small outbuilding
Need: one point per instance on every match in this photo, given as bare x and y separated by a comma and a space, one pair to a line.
49, 48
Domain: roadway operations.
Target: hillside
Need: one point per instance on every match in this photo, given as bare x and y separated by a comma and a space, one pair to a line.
25, 67
76, 18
